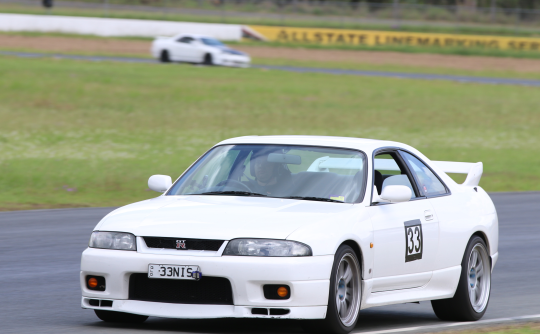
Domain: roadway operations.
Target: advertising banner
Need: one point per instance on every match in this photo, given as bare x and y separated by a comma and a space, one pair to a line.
323, 36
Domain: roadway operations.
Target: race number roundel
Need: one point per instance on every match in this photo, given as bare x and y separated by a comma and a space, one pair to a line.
413, 240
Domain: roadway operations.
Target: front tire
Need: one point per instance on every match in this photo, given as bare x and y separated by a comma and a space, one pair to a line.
208, 60
472, 294
344, 297
120, 317
164, 57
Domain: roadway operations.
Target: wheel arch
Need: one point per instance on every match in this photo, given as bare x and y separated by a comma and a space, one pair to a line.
484, 237
358, 251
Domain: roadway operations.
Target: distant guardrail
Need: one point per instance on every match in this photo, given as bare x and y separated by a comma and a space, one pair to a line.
235, 32
395, 13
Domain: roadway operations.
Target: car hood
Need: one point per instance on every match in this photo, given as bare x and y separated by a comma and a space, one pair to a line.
220, 217
228, 50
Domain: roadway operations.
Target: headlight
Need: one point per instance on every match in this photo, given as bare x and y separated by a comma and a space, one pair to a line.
113, 240
266, 247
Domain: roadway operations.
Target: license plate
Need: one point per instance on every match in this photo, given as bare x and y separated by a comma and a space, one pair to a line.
173, 271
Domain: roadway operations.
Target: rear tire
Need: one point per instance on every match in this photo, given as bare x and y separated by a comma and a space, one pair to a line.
207, 60
344, 296
471, 299
120, 317
164, 57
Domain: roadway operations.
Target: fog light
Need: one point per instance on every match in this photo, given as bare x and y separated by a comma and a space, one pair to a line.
281, 291
96, 283
276, 291
93, 283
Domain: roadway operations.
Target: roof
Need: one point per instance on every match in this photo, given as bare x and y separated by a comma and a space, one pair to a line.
192, 35
366, 145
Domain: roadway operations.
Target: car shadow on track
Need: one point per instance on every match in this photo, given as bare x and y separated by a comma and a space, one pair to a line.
370, 320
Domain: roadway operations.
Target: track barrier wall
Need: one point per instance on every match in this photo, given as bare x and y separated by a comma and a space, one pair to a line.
109, 27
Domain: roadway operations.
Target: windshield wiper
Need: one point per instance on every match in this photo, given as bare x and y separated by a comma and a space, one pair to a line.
321, 199
232, 192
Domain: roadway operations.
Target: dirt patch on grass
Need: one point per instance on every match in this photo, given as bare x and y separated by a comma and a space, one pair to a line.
74, 44
38, 206
142, 48
474, 63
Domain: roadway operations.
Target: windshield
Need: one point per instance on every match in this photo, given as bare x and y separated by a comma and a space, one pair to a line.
212, 42
283, 171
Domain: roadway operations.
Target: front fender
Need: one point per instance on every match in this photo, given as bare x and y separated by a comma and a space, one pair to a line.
327, 235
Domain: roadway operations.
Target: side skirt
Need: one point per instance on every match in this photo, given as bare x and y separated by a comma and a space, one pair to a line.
442, 285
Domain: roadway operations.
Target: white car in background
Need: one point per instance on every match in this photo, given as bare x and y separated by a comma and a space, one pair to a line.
199, 49
297, 227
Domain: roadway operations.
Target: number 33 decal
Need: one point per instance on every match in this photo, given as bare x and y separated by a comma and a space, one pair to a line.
413, 240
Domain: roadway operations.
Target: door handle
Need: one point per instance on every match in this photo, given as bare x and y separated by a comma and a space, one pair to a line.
428, 215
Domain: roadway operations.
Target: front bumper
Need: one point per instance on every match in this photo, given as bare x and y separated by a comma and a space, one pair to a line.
307, 277
226, 59
185, 311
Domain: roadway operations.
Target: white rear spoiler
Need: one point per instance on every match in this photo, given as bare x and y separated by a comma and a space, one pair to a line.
473, 170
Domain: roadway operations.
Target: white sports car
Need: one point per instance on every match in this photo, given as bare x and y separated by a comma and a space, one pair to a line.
298, 227
192, 48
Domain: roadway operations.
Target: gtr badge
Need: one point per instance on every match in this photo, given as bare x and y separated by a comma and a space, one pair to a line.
180, 244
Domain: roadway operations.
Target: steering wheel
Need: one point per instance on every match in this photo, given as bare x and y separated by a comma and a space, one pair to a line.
235, 182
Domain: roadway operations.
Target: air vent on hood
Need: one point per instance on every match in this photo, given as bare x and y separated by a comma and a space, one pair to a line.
183, 243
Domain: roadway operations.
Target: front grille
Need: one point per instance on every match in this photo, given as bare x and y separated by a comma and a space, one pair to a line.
207, 290
190, 244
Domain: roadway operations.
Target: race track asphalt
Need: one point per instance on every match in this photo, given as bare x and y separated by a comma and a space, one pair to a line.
383, 74
39, 277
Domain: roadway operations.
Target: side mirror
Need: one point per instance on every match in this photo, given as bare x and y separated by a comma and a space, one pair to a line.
392, 194
159, 183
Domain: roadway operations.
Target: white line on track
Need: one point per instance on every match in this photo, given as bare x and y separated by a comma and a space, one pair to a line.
454, 324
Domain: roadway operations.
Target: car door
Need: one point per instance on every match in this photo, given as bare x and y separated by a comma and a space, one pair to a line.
405, 234
456, 212
183, 49
197, 50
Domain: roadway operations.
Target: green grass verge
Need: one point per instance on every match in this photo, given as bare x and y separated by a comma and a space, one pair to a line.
291, 21
336, 65
396, 68
529, 328
75, 133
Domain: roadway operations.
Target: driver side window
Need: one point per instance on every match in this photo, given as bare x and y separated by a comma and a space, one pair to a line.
389, 171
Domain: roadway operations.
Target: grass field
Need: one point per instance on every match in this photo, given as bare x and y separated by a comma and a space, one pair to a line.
529, 328
76, 133
397, 68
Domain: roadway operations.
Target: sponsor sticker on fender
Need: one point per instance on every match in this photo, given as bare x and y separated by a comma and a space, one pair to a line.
389, 38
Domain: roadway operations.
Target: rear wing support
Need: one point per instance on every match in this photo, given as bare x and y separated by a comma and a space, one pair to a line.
473, 170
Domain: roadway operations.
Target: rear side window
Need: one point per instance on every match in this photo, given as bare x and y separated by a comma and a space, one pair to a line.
428, 183
185, 40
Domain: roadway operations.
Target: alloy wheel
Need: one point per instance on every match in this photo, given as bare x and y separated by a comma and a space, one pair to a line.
479, 278
347, 289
